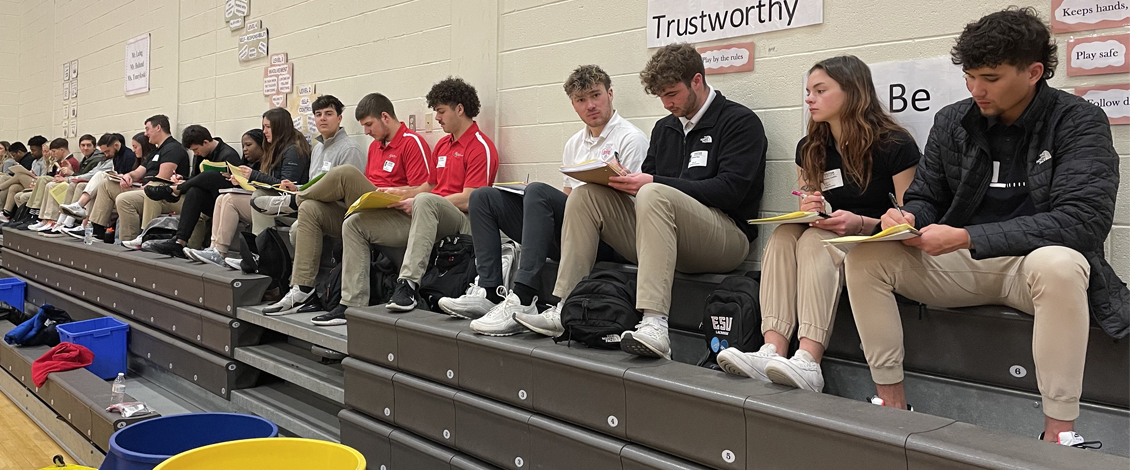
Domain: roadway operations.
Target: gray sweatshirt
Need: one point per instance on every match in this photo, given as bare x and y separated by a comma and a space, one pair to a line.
337, 150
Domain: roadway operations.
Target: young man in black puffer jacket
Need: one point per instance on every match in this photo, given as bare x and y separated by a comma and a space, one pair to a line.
1014, 199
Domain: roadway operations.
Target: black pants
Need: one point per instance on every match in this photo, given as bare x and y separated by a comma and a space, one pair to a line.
533, 220
199, 194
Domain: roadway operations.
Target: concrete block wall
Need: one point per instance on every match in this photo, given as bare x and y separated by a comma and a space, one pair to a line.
516, 52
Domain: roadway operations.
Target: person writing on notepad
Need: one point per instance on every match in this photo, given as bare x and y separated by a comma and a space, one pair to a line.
1014, 199
853, 156
535, 218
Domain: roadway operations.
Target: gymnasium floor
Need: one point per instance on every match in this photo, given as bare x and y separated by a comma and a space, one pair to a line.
23, 446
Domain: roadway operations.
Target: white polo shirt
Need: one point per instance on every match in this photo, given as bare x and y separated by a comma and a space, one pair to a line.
619, 138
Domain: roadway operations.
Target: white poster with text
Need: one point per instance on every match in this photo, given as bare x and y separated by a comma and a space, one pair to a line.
137, 65
693, 21
914, 90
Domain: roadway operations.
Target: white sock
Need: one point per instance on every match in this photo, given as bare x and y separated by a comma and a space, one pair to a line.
659, 318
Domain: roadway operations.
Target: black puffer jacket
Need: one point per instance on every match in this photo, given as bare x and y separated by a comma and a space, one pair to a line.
1072, 180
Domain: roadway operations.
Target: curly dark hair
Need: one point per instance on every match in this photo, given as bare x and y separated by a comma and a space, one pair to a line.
1015, 36
672, 64
454, 91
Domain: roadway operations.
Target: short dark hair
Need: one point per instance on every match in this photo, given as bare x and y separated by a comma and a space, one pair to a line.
585, 77
372, 105
36, 141
17, 147
672, 64
60, 143
86, 137
326, 101
1015, 36
107, 139
160, 120
195, 135
454, 91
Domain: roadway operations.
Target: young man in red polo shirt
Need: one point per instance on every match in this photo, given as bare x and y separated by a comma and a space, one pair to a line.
464, 160
399, 163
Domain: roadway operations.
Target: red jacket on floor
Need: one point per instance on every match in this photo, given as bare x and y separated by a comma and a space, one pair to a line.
65, 356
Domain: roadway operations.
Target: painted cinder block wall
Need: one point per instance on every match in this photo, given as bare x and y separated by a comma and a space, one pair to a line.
516, 52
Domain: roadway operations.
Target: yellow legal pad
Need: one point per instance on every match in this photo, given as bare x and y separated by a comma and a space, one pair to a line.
373, 200
59, 192
799, 217
898, 232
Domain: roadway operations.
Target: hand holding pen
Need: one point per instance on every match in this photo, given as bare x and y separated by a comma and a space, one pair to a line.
812, 203
895, 216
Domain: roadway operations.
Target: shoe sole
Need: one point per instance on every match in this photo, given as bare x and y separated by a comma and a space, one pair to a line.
334, 322
400, 308
192, 256
629, 344
72, 214
730, 366
782, 374
458, 314
539, 330
79, 236
497, 333
264, 212
739, 366
282, 312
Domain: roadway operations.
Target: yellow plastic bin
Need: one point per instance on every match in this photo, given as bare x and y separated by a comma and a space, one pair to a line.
271, 453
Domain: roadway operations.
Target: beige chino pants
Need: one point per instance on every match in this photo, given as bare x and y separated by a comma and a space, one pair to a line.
321, 212
1049, 283
801, 282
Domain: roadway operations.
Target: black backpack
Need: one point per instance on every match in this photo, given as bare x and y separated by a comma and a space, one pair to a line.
601, 307
275, 260
451, 269
382, 280
732, 317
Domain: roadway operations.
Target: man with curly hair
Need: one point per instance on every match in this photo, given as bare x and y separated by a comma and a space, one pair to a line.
1014, 199
465, 159
702, 178
534, 219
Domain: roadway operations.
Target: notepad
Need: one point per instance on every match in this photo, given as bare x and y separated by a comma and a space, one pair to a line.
373, 200
898, 232
595, 171
799, 217
516, 187
59, 192
208, 165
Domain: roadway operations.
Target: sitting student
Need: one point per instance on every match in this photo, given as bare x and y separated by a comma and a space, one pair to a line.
1014, 200
398, 163
169, 159
111, 145
95, 161
535, 219
16, 152
286, 158
200, 191
856, 155
24, 174
128, 157
465, 159
702, 179
62, 166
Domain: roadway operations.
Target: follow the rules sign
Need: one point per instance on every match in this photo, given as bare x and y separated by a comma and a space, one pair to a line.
692, 21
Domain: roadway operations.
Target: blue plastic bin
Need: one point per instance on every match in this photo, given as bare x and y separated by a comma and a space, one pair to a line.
105, 337
12, 292
144, 445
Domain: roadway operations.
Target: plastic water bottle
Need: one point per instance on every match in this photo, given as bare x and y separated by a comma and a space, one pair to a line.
88, 234
118, 390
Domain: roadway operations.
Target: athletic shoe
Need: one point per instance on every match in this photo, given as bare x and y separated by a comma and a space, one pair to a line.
799, 371
469, 306
752, 365
161, 192
875, 400
289, 303
499, 321
403, 297
46, 227
4, 219
334, 317
547, 323
55, 232
38, 225
77, 231
234, 263
207, 255
1073, 439
74, 210
24, 225
134, 244
168, 247
275, 205
648, 340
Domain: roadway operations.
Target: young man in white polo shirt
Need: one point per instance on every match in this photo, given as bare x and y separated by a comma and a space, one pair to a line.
535, 219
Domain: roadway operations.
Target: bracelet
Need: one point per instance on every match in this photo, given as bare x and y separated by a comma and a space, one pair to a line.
860, 226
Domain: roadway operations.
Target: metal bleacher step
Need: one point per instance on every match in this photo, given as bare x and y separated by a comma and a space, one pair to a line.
298, 366
298, 326
293, 409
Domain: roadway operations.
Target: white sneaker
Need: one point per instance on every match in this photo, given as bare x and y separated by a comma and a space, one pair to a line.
499, 321
134, 244
77, 231
74, 210
800, 371
546, 323
1073, 439
235, 263
36, 226
4, 219
752, 365
66, 220
648, 340
470, 306
289, 303
46, 227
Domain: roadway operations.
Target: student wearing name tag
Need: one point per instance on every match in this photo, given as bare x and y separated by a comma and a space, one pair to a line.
853, 158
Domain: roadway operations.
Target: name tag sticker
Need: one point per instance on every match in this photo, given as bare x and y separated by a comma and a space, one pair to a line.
697, 159
326, 165
832, 179
441, 162
389, 165
155, 157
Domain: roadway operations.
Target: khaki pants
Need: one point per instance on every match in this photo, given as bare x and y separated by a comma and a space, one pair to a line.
49, 209
103, 207
40, 189
229, 211
662, 230
801, 282
134, 209
321, 211
23, 197
433, 218
1049, 283
74, 192
20, 180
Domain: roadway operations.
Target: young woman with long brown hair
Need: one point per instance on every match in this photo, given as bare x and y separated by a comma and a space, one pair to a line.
853, 158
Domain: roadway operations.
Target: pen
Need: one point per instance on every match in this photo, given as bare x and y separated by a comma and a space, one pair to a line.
819, 213
896, 203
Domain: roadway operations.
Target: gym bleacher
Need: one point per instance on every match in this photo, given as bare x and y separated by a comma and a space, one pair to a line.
421, 391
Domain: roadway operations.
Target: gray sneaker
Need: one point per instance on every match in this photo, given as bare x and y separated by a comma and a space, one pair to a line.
275, 206
546, 323
74, 210
648, 340
208, 255
499, 321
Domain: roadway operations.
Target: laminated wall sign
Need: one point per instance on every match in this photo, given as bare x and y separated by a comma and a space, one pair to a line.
253, 46
137, 65
1113, 99
235, 11
1098, 55
1086, 15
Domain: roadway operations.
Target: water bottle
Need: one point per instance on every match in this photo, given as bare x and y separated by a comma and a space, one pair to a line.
88, 234
118, 390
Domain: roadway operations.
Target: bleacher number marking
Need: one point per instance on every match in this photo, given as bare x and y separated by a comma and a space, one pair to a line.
446, 434
728, 456
613, 421
522, 394
518, 462
1018, 371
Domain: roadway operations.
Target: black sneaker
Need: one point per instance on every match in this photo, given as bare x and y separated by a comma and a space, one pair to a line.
168, 247
403, 297
334, 317
161, 192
